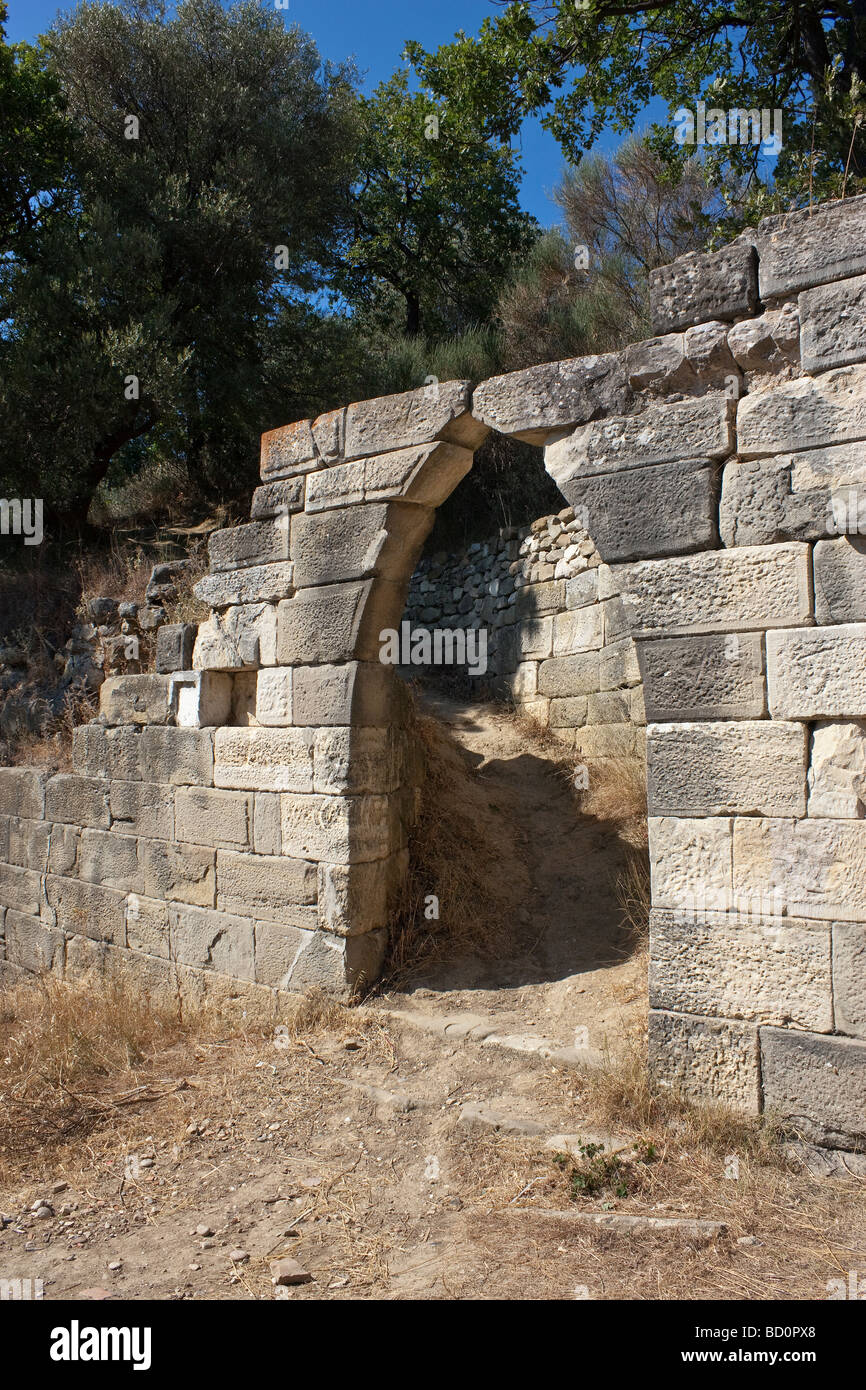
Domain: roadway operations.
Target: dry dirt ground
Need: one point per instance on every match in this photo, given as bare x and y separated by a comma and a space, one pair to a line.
387, 1152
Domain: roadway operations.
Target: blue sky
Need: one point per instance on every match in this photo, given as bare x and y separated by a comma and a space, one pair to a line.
373, 32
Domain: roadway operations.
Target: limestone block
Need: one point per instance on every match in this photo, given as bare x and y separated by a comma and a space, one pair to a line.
618, 665
22, 792
438, 411
357, 692
200, 699
28, 842
697, 428
347, 829
278, 888
179, 757
278, 499
569, 675
63, 850
20, 889
667, 509
706, 347
582, 589
267, 835
718, 769
111, 859
354, 899
605, 741
537, 599
817, 672
568, 712
255, 543
577, 630
811, 411
288, 451
706, 1059
425, 474
329, 434
380, 539
135, 700
816, 1083
691, 862
213, 941
812, 868
659, 364
142, 808
714, 677
704, 285
274, 697
840, 580
243, 636
101, 752
174, 643
797, 250
148, 925
751, 587
256, 584
77, 800
263, 759
353, 760
768, 343
32, 945
183, 873
277, 950
608, 707
204, 816
837, 770
529, 404
86, 909
849, 977
338, 622
768, 969
834, 324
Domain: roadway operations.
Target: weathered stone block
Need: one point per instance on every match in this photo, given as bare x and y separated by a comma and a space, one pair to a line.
222, 819
101, 752
425, 474
201, 699
22, 792
837, 770
76, 800
568, 712
174, 644
565, 676
245, 636
289, 450
142, 808
353, 760
762, 503
136, 700
812, 868
608, 707
274, 697
148, 925
267, 835
277, 950
33, 945
691, 862
277, 499
817, 1084
86, 909
718, 769
537, 599
582, 589
213, 941
618, 665
338, 622
440, 411
817, 672
531, 403
768, 969
576, 630
264, 759
280, 889
329, 434
110, 859
668, 509
768, 343
719, 591
698, 428
828, 409
183, 873
833, 319
381, 539
63, 850
20, 889
715, 677
706, 346
849, 977
704, 285
254, 543
179, 757
355, 899
347, 829
358, 692
257, 584
840, 580
706, 1059
797, 250
606, 741
659, 365
28, 843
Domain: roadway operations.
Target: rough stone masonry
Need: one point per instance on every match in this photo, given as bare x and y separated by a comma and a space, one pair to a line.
242, 825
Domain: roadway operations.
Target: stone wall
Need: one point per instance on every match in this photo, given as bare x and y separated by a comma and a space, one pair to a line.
246, 820
557, 637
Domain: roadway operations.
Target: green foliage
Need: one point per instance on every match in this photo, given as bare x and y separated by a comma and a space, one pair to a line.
436, 223
34, 141
586, 68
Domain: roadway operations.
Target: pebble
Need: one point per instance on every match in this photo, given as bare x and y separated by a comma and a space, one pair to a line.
748, 1240
202, 1231
238, 1257
116, 1264
287, 1271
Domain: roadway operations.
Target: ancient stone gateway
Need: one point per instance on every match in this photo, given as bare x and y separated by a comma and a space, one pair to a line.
243, 825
